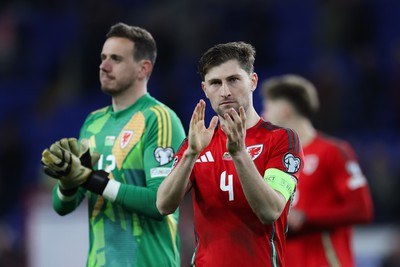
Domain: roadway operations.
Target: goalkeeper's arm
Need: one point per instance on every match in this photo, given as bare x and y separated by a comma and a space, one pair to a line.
66, 204
72, 171
61, 162
132, 197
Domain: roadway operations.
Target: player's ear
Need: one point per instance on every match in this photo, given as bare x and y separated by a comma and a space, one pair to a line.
203, 86
145, 68
254, 81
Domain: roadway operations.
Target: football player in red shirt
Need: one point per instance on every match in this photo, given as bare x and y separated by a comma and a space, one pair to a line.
242, 173
332, 194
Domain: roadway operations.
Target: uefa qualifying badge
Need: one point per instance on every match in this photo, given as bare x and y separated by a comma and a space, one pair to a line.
291, 163
163, 155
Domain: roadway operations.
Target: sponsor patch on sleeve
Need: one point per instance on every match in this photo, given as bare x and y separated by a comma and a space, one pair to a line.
159, 172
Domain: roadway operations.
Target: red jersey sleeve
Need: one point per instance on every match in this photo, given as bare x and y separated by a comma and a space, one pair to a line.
346, 172
178, 156
286, 153
353, 200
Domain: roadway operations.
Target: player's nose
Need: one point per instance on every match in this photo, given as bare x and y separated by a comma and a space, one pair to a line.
105, 65
224, 90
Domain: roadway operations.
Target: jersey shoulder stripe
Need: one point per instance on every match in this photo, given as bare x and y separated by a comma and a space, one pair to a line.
164, 135
269, 126
294, 143
293, 138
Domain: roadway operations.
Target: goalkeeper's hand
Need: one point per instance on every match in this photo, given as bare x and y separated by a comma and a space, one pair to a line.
68, 162
73, 166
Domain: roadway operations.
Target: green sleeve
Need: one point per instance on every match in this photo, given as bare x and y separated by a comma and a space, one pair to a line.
140, 199
65, 207
161, 142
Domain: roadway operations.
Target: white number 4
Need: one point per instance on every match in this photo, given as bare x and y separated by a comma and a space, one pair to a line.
227, 187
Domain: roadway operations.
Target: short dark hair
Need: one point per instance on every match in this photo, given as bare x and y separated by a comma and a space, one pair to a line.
300, 92
145, 45
220, 53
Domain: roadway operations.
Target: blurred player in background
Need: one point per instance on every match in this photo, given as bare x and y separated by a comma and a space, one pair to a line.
242, 173
136, 138
332, 194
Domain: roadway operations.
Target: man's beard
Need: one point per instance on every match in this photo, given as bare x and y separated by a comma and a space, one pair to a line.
118, 89
221, 112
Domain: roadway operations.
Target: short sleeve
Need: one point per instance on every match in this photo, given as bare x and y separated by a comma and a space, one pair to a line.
286, 153
162, 139
178, 156
345, 169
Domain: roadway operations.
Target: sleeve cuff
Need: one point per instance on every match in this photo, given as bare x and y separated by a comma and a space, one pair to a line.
111, 190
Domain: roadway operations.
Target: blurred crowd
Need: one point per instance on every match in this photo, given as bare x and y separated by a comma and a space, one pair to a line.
50, 53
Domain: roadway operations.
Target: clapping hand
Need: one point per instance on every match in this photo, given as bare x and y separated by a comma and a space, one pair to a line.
69, 162
234, 126
199, 136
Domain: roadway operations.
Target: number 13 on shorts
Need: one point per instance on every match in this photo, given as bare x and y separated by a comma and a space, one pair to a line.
226, 185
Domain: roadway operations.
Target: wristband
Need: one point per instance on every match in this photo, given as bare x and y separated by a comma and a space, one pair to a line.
63, 196
111, 190
67, 192
97, 182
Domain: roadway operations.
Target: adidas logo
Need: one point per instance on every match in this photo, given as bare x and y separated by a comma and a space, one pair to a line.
207, 157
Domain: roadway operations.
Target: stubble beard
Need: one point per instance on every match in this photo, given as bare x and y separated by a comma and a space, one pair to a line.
222, 111
117, 89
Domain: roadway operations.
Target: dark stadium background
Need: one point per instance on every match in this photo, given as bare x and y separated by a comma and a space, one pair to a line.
49, 58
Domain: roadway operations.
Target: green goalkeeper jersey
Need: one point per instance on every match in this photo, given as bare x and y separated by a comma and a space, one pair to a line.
137, 147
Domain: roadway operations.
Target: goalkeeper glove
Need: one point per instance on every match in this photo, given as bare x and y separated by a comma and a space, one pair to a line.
70, 144
61, 162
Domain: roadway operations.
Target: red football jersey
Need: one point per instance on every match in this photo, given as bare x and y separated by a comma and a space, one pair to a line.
333, 194
227, 231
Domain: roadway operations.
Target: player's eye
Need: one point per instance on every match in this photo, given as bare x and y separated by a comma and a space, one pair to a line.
116, 58
215, 82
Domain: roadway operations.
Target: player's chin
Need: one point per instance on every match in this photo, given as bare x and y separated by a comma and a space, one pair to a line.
225, 108
108, 89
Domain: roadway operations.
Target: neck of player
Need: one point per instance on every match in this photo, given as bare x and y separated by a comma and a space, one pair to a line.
127, 98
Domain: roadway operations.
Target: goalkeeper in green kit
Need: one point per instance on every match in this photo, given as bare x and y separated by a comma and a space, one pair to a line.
124, 153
